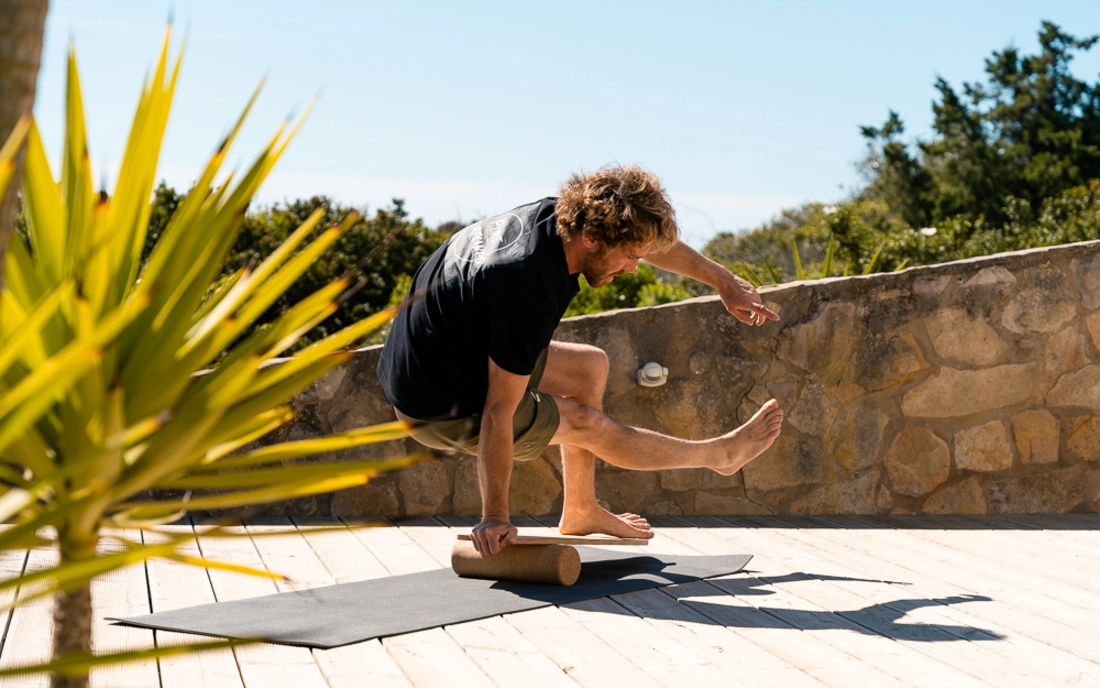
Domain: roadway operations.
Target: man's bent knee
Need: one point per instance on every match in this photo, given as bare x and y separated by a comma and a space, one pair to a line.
577, 420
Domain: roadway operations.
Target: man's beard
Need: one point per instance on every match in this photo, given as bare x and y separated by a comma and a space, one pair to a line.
596, 270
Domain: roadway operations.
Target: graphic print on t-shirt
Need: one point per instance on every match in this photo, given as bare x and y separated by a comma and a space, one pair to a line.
479, 242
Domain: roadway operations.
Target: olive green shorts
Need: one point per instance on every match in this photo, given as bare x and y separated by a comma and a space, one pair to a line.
536, 420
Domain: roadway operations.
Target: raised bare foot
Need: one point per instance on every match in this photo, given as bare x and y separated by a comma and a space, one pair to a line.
603, 522
750, 440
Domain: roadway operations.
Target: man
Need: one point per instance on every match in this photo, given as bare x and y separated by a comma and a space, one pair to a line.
470, 364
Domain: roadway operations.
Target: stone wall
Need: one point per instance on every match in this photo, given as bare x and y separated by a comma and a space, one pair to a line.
969, 388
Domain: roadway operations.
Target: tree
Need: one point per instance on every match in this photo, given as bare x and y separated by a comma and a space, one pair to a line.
120, 376
1030, 133
22, 25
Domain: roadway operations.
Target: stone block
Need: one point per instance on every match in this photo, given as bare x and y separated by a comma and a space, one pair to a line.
665, 507
1036, 434
931, 287
887, 363
617, 343
681, 479
966, 497
534, 490
983, 448
1087, 272
1044, 303
1077, 390
323, 390
783, 388
962, 338
1082, 439
425, 488
1092, 322
884, 501
813, 412
1093, 497
942, 395
997, 279
690, 409
917, 462
724, 504
628, 490
467, 493
853, 440
849, 497
1054, 492
366, 500
822, 344
1064, 352
787, 463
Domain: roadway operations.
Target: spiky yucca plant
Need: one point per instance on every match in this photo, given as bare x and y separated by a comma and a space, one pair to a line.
118, 377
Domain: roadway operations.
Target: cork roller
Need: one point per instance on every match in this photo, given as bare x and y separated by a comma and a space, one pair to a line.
546, 564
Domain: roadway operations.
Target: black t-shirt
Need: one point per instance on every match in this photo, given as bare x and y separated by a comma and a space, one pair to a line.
498, 289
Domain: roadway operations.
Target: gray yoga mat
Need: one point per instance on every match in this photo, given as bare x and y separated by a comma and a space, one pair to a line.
353, 612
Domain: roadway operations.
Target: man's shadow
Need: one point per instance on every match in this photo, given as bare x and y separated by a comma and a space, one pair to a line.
882, 619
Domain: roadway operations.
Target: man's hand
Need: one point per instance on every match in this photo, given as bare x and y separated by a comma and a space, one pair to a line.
492, 535
743, 302
739, 297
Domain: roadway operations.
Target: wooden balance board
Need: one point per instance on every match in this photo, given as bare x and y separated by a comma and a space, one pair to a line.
546, 559
572, 540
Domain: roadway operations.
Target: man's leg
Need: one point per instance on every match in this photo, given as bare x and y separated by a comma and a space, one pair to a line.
585, 429
578, 372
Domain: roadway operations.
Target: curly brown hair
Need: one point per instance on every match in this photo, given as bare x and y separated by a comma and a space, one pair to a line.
617, 207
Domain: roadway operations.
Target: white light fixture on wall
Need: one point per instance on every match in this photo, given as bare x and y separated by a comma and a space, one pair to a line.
652, 375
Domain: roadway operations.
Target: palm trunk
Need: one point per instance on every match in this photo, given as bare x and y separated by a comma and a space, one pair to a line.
22, 24
72, 626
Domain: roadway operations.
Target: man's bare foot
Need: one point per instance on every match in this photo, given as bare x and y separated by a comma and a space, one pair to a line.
603, 522
750, 440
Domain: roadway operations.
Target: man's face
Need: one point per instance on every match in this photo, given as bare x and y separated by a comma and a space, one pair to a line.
603, 266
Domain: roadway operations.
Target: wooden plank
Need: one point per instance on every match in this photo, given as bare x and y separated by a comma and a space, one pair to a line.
506, 656
31, 627
1041, 559
345, 557
347, 560
177, 586
498, 651
394, 549
662, 657
830, 660
358, 665
812, 655
12, 563
1008, 613
283, 550
822, 609
1019, 659
121, 593
585, 657
413, 652
265, 665
433, 658
433, 537
1032, 592
744, 662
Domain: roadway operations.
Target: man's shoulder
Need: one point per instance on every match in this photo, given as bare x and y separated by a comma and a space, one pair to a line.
508, 239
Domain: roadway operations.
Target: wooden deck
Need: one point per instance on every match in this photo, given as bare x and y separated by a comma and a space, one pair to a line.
836, 601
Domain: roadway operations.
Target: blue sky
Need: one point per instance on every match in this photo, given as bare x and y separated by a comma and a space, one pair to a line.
468, 109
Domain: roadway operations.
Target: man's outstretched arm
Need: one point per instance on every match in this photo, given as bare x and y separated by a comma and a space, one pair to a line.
740, 298
494, 459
